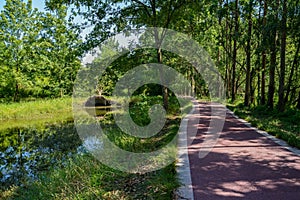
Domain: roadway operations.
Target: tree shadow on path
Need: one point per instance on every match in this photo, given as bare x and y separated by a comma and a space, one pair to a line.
243, 164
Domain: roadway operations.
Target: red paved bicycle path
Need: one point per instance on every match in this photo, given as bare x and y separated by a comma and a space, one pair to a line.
243, 164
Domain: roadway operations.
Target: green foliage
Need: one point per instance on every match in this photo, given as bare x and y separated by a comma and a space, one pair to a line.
110, 17
38, 52
238, 35
139, 114
38, 58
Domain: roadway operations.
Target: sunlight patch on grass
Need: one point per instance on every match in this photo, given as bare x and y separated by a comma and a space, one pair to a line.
40, 112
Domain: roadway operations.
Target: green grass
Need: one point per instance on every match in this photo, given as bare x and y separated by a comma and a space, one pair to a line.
35, 113
83, 177
86, 178
283, 125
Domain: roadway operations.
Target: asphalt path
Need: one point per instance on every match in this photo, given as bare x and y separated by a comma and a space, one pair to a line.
243, 164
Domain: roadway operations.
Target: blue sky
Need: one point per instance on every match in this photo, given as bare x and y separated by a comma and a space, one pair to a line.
40, 4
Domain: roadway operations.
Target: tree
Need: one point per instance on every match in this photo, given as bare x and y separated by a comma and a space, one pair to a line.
266, 30
112, 17
273, 48
234, 53
16, 20
39, 52
61, 50
281, 102
263, 54
294, 68
248, 56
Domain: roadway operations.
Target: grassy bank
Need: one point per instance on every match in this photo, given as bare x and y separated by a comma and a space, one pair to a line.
283, 125
35, 113
84, 177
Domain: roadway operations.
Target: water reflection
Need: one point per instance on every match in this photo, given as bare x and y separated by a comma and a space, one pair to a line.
25, 152
99, 111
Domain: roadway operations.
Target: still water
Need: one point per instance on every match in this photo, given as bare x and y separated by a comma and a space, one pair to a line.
27, 151
24, 152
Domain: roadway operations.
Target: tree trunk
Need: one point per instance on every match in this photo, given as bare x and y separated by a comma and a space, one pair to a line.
281, 103
164, 88
293, 94
258, 86
158, 42
273, 38
227, 60
227, 48
298, 104
234, 54
252, 88
248, 58
295, 61
16, 95
264, 57
271, 88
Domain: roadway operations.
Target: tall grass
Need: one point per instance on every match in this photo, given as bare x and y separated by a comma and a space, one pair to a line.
86, 178
35, 113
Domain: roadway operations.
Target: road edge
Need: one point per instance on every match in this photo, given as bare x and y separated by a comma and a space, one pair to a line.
185, 191
267, 135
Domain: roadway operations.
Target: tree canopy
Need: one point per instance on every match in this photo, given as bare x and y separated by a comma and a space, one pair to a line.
39, 55
254, 43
